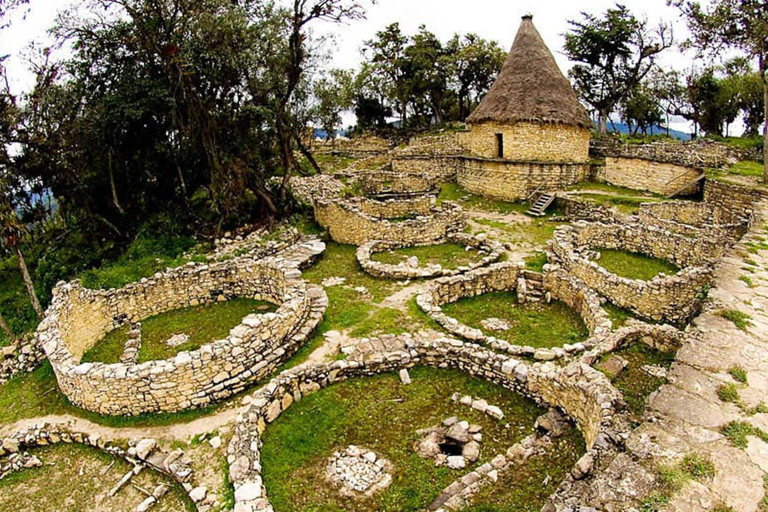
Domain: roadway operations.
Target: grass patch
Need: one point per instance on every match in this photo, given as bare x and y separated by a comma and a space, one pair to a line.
531, 324
748, 281
618, 315
626, 205
633, 265
536, 262
746, 168
739, 373
671, 479
70, 479
634, 383
296, 449
613, 189
455, 193
537, 232
738, 431
449, 256
729, 393
742, 321
203, 324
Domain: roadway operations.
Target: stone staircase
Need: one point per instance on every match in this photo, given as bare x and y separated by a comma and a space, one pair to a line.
539, 208
686, 187
534, 286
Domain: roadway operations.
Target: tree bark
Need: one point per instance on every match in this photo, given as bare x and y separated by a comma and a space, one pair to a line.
602, 122
112, 185
765, 117
307, 154
28, 282
7, 330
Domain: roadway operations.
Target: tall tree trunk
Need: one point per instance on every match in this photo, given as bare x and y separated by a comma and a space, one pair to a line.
307, 154
602, 122
28, 282
765, 116
112, 185
7, 330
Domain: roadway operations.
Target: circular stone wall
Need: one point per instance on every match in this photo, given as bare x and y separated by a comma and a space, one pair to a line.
412, 221
78, 318
391, 183
493, 250
510, 277
675, 299
582, 392
695, 219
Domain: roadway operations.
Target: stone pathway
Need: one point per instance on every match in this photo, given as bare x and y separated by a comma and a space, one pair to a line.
686, 415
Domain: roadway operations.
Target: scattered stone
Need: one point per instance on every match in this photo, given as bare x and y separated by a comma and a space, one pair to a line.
456, 462
405, 377
177, 340
553, 423
145, 448
198, 494
358, 472
215, 442
495, 324
333, 281
655, 371
613, 365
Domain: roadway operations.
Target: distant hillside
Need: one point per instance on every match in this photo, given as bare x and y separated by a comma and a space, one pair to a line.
658, 130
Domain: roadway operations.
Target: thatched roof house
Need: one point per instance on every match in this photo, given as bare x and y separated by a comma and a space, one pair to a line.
531, 87
530, 132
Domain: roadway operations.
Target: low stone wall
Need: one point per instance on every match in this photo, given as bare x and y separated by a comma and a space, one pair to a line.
22, 356
78, 318
359, 221
513, 181
511, 277
663, 338
579, 390
657, 177
396, 183
700, 153
674, 299
695, 219
492, 250
737, 200
573, 208
444, 168
357, 146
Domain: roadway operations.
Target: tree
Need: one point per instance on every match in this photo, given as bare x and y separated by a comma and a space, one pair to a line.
740, 25
385, 56
334, 93
613, 54
474, 64
642, 108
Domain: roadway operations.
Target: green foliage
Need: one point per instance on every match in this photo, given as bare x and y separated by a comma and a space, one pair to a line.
671, 479
738, 373
633, 265
536, 262
738, 431
449, 256
618, 315
728, 393
741, 320
697, 467
531, 324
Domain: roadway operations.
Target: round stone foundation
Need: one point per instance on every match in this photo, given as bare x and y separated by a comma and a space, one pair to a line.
78, 318
675, 299
493, 251
529, 286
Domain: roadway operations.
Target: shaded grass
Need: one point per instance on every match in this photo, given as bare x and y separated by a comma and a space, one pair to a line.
536, 262
633, 265
742, 321
449, 256
296, 450
614, 189
456, 193
203, 324
70, 479
737, 433
626, 205
618, 315
635, 384
531, 324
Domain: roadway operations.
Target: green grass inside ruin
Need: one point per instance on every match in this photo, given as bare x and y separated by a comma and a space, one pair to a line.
203, 324
624, 204
535, 233
618, 315
71, 479
635, 383
634, 265
454, 192
537, 325
449, 256
381, 414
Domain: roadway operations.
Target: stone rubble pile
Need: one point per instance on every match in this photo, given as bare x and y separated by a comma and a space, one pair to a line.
22, 356
357, 471
479, 405
132, 345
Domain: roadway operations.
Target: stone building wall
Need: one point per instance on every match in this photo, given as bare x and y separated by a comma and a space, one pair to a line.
573, 208
375, 183
580, 391
658, 177
347, 223
737, 200
393, 208
78, 318
674, 299
530, 142
514, 181
358, 146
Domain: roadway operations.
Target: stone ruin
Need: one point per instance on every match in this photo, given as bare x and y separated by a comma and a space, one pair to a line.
454, 443
358, 472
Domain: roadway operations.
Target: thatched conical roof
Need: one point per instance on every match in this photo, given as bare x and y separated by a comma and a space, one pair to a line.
531, 87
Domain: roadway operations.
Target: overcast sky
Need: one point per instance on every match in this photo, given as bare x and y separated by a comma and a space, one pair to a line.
492, 19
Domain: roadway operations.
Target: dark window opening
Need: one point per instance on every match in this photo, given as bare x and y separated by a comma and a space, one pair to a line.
500, 145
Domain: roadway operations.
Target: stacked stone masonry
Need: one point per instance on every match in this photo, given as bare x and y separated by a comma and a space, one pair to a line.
510, 277
695, 219
78, 318
530, 142
580, 391
397, 183
357, 221
491, 252
658, 177
675, 299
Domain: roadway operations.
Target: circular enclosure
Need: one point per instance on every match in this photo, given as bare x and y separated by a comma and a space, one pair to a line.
675, 299
78, 319
411, 221
578, 390
529, 287
384, 184
490, 252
